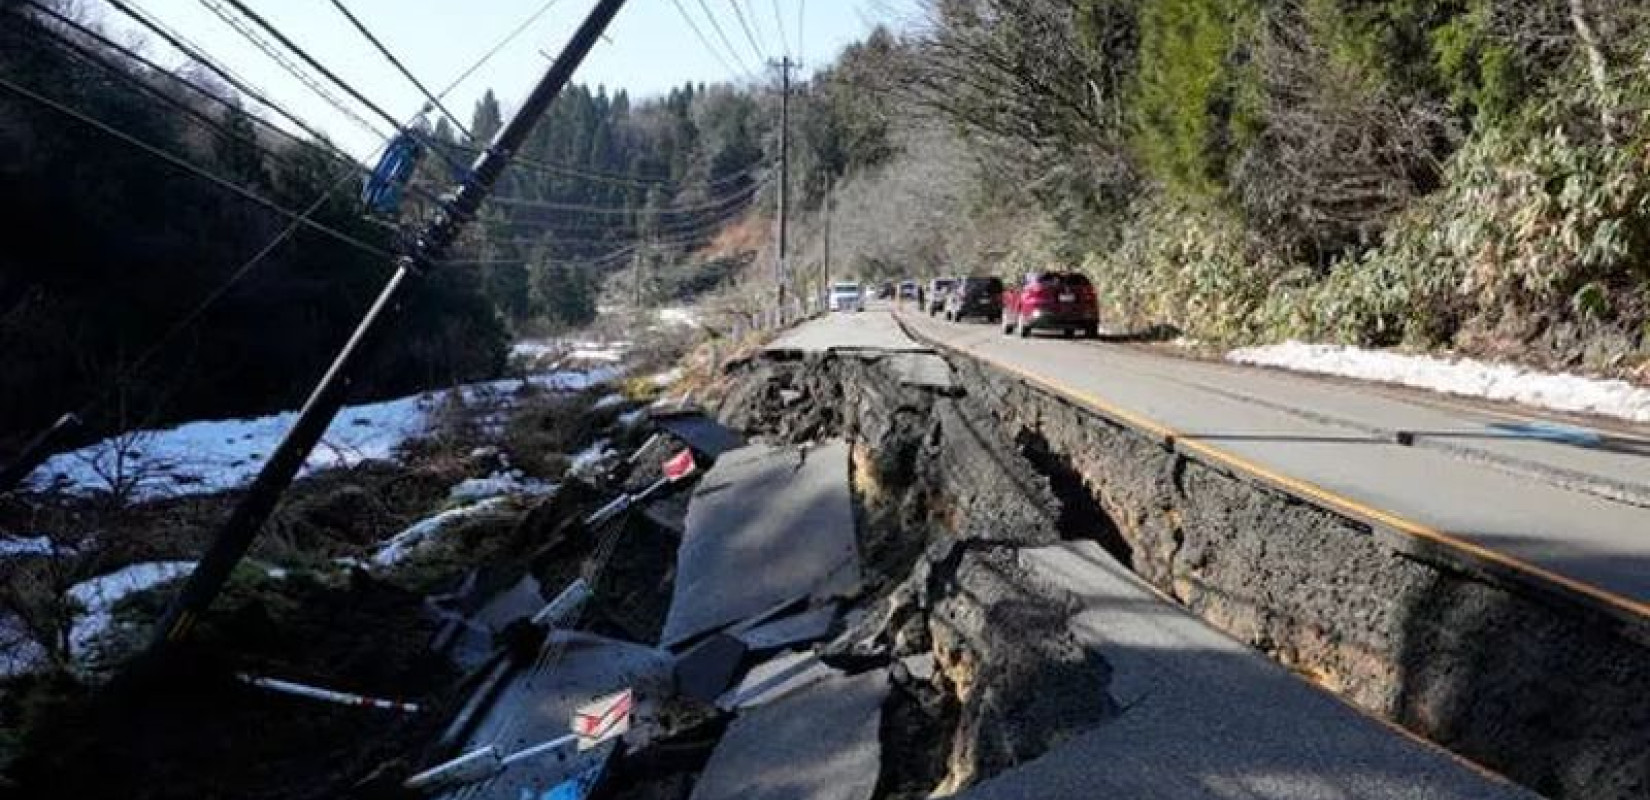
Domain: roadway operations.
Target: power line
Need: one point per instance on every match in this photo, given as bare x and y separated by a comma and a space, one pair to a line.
241, 7
87, 55
186, 166
191, 86
703, 40
761, 52
195, 54
296, 72
611, 210
721, 35
502, 43
779, 18
435, 102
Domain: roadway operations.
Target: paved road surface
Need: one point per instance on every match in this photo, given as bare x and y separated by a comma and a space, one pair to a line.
1474, 481
1205, 717
1201, 716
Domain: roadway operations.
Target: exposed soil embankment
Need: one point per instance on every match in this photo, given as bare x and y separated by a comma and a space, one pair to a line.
1552, 694
952, 484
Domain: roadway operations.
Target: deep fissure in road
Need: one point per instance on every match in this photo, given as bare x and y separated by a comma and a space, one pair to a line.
954, 487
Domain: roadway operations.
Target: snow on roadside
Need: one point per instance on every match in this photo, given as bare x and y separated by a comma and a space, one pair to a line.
14, 546
1463, 376
683, 317
590, 457
218, 455
409, 541
97, 598
514, 482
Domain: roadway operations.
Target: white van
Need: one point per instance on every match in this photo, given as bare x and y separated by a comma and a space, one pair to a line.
847, 296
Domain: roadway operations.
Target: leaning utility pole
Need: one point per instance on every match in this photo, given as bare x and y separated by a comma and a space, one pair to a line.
428, 249
781, 272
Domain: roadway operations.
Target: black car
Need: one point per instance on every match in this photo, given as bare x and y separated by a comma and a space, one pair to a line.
975, 297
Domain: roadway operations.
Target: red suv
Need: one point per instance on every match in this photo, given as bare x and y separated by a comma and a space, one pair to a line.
1052, 301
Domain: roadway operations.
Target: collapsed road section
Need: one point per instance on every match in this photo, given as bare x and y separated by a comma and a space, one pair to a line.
996, 522
880, 573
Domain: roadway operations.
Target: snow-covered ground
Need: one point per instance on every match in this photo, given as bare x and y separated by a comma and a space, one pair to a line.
412, 539
560, 352
98, 596
684, 317
513, 482
590, 458
1460, 376
213, 456
13, 546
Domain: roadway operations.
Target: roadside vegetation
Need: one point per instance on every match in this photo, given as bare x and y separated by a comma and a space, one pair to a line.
1468, 175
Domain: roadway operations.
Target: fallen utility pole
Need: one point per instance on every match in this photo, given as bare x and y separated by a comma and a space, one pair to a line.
429, 248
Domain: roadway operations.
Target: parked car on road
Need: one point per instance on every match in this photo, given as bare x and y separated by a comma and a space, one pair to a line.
847, 296
975, 297
908, 290
938, 289
1063, 301
885, 291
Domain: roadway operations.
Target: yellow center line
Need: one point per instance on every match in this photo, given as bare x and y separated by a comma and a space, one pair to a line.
1325, 497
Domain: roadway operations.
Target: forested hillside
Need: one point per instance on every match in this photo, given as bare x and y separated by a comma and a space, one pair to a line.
150, 277
1460, 173
1468, 174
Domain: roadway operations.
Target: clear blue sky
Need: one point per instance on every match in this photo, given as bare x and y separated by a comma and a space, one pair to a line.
649, 48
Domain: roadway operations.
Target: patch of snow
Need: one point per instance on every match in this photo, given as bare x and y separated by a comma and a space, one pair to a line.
13, 546
405, 543
499, 484
609, 355
1463, 376
678, 316
534, 350
666, 378
590, 457
633, 418
20, 654
218, 455
608, 401
97, 598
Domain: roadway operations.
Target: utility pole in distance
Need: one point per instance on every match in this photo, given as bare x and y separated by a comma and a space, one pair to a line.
825, 268
235, 536
781, 267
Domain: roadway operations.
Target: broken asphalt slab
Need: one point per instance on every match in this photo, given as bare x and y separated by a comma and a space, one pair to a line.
871, 335
803, 628
1201, 716
821, 742
774, 679
705, 435
765, 526
536, 705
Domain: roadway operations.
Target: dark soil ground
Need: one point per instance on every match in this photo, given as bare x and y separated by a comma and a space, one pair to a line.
183, 726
